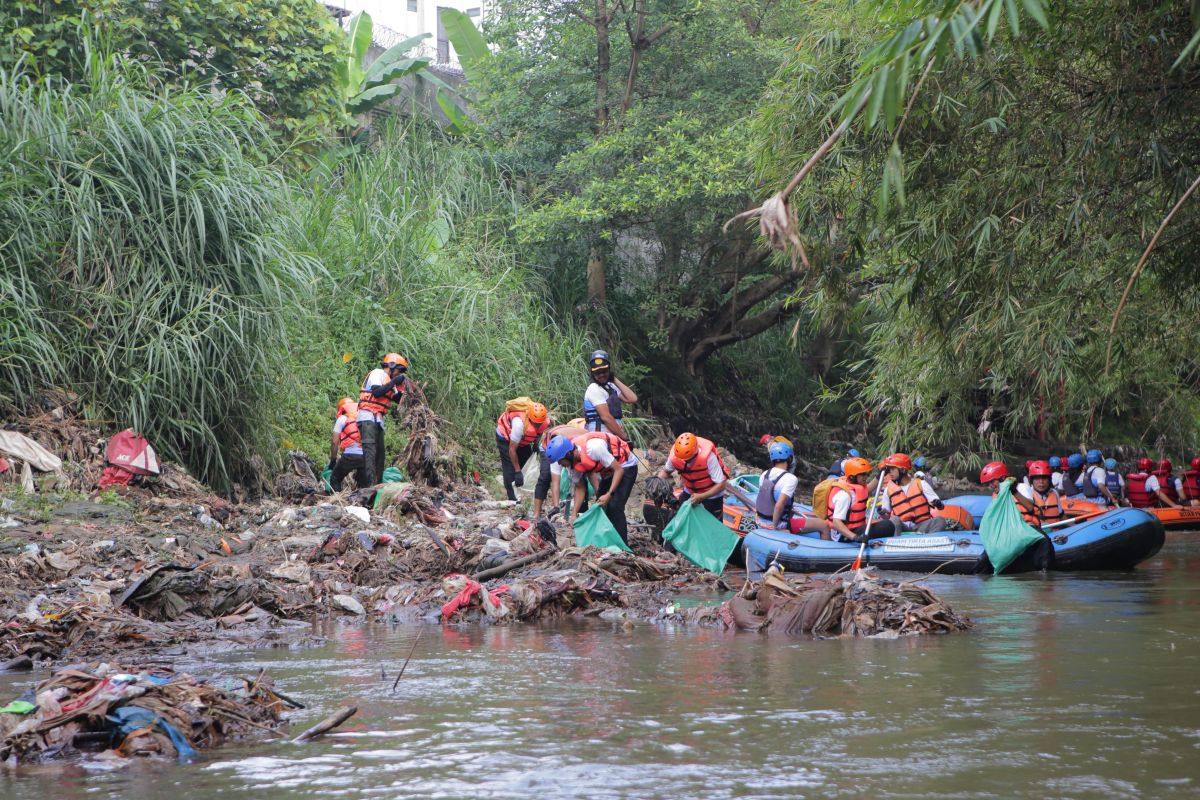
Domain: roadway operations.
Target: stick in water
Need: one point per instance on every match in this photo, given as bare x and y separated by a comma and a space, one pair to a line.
328, 724
410, 655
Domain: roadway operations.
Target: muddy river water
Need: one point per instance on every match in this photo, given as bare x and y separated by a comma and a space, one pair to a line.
1071, 686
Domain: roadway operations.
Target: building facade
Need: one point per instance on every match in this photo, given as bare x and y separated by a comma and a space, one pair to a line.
396, 20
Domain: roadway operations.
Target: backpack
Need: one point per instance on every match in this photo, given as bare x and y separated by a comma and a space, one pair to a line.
820, 501
521, 404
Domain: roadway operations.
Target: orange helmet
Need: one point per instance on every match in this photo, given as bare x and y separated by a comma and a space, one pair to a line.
685, 446
898, 460
392, 360
537, 414
856, 466
993, 472
346, 407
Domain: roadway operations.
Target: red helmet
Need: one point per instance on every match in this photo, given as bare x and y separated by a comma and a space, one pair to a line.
898, 460
1029, 464
1145, 464
993, 472
1039, 469
1196, 462
1164, 465
765, 439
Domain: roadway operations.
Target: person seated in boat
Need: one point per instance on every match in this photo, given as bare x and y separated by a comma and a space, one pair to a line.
1138, 487
847, 506
1073, 478
1165, 486
1191, 484
922, 470
1056, 473
701, 470
1095, 479
774, 506
1040, 504
908, 498
836, 469
991, 475
1115, 481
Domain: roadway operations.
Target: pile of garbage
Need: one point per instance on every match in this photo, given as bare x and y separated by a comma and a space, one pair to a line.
854, 604
127, 712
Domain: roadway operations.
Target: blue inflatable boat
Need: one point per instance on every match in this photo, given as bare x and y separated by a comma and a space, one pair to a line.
1117, 540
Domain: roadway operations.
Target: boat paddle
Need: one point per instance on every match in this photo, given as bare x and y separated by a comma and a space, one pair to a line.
1080, 518
867, 529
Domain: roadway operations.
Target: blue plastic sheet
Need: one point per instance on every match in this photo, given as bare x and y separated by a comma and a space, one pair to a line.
131, 718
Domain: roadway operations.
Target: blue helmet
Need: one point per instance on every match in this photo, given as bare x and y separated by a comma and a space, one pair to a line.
779, 451
853, 453
1055, 462
1110, 463
919, 462
558, 448
1074, 461
1094, 457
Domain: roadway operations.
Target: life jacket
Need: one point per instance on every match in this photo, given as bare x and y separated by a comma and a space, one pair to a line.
1166, 482
592, 417
764, 504
377, 405
694, 473
615, 444
858, 502
907, 504
532, 432
1090, 489
1113, 481
349, 435
1191, 484
569, 431
1135, 490
1047, 509
1073, 483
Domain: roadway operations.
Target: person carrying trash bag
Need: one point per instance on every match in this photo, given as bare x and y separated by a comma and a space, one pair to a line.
908, 498
345, 447
607, 456
381, 387
549, 471
701, 470
517, 428
847, 506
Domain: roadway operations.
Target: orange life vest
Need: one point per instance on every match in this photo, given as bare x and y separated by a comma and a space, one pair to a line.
908, 505
1135, 490
858, 502
1046, 509
349, 435
377, 405
694, 473
615, 444
532, 432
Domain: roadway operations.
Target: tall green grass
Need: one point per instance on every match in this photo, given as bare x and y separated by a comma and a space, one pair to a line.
413, 235
139, 261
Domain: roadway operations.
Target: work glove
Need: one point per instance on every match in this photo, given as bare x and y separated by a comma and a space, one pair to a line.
332, 464
938, 504
519, 479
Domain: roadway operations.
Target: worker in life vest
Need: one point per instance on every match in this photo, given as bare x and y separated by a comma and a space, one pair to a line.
1115, 481
701, 470
1039, 503
345, 447
1095, 479
775, 504
381, 388
922, 470
1073, 478
516, 431
1165, 486
550, 472
847, 506
908, 498
1191, 484
605, 397
1056, 473
991, 475
607, 456
1137, 485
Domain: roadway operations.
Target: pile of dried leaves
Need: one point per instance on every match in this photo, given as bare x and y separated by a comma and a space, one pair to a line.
132, 713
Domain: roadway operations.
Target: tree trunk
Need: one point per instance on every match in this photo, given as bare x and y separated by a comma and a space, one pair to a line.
603, 64
595, 277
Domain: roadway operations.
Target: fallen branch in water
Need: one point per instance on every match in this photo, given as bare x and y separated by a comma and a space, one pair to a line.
328, 724
508, 566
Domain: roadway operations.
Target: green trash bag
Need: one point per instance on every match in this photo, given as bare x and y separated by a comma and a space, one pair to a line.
701, 537
566, 489
392, 475
326, 474
1003, 530
592, 529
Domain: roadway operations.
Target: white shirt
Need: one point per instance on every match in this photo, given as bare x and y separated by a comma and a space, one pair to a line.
377, 377
596, 396
1098, 476
715, 473
1152, 485
926, 478
1056, 479
516, 431
354, 449
785, 484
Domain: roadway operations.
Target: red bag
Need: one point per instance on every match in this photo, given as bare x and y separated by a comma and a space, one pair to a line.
133, 453
115, 476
